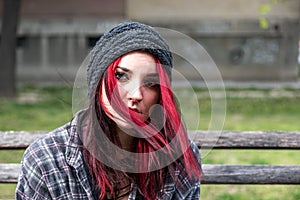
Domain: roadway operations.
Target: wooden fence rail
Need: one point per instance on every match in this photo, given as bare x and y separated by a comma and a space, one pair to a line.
213, 173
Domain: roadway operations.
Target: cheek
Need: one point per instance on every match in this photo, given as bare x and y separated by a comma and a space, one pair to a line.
151, 98
122, 92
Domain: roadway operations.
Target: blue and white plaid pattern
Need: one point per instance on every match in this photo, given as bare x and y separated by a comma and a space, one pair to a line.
53, 168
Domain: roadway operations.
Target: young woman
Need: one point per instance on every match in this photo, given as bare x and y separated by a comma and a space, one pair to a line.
130, 143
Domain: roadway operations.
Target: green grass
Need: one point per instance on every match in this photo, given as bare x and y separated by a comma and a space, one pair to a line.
45, 108
37, 109
250, 192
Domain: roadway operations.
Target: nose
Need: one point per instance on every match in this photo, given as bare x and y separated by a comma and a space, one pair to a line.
134, 93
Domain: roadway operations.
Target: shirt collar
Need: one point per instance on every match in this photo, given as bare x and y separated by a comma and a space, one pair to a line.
74, 144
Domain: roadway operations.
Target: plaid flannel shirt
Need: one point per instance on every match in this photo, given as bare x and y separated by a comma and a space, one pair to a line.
53, 168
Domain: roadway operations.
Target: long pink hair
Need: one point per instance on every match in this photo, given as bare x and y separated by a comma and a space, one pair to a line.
148, 183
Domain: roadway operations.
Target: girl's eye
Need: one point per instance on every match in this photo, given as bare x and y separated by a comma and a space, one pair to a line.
151, 84
121, 76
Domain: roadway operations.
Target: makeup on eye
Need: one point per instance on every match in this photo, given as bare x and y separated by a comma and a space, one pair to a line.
121, 76
150, 82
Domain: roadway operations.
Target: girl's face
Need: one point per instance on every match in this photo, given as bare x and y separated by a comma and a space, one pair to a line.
138, 85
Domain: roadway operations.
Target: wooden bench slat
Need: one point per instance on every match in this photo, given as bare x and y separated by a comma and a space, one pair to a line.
213, 174
9, 173
251, 174
204, 139
246, 139
18, 139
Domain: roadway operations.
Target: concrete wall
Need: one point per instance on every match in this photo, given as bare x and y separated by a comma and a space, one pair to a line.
47, 9
208, 9
231, 33
55, 36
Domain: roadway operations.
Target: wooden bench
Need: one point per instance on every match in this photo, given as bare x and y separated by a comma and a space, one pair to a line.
213, 173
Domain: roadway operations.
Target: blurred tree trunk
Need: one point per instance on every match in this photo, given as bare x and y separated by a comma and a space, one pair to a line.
8, 45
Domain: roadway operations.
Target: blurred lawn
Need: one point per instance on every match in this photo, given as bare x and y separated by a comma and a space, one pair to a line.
45, 108
37, 108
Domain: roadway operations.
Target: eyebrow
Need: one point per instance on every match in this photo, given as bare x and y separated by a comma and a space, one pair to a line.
124, 69
154, 75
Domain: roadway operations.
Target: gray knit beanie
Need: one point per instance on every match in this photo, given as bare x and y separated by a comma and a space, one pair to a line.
124, 38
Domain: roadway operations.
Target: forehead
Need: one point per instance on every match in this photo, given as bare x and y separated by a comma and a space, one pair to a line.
138, 60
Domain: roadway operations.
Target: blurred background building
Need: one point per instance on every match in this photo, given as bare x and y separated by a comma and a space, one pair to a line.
248, 40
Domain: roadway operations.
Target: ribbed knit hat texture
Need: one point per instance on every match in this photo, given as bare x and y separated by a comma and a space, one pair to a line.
124, 38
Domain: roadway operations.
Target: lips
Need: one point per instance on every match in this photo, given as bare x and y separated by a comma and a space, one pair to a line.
137, 114
135, 110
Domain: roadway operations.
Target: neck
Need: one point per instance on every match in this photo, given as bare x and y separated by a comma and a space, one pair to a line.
126, 140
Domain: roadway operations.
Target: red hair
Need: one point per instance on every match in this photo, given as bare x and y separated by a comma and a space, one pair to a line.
148, 183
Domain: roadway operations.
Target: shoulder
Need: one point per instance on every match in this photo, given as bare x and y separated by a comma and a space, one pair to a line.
190, 188
185, 188
50, 166
47, 148
41, 159
55, 146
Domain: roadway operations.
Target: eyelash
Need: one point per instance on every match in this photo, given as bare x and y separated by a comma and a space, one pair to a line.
120, 76
151, 84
